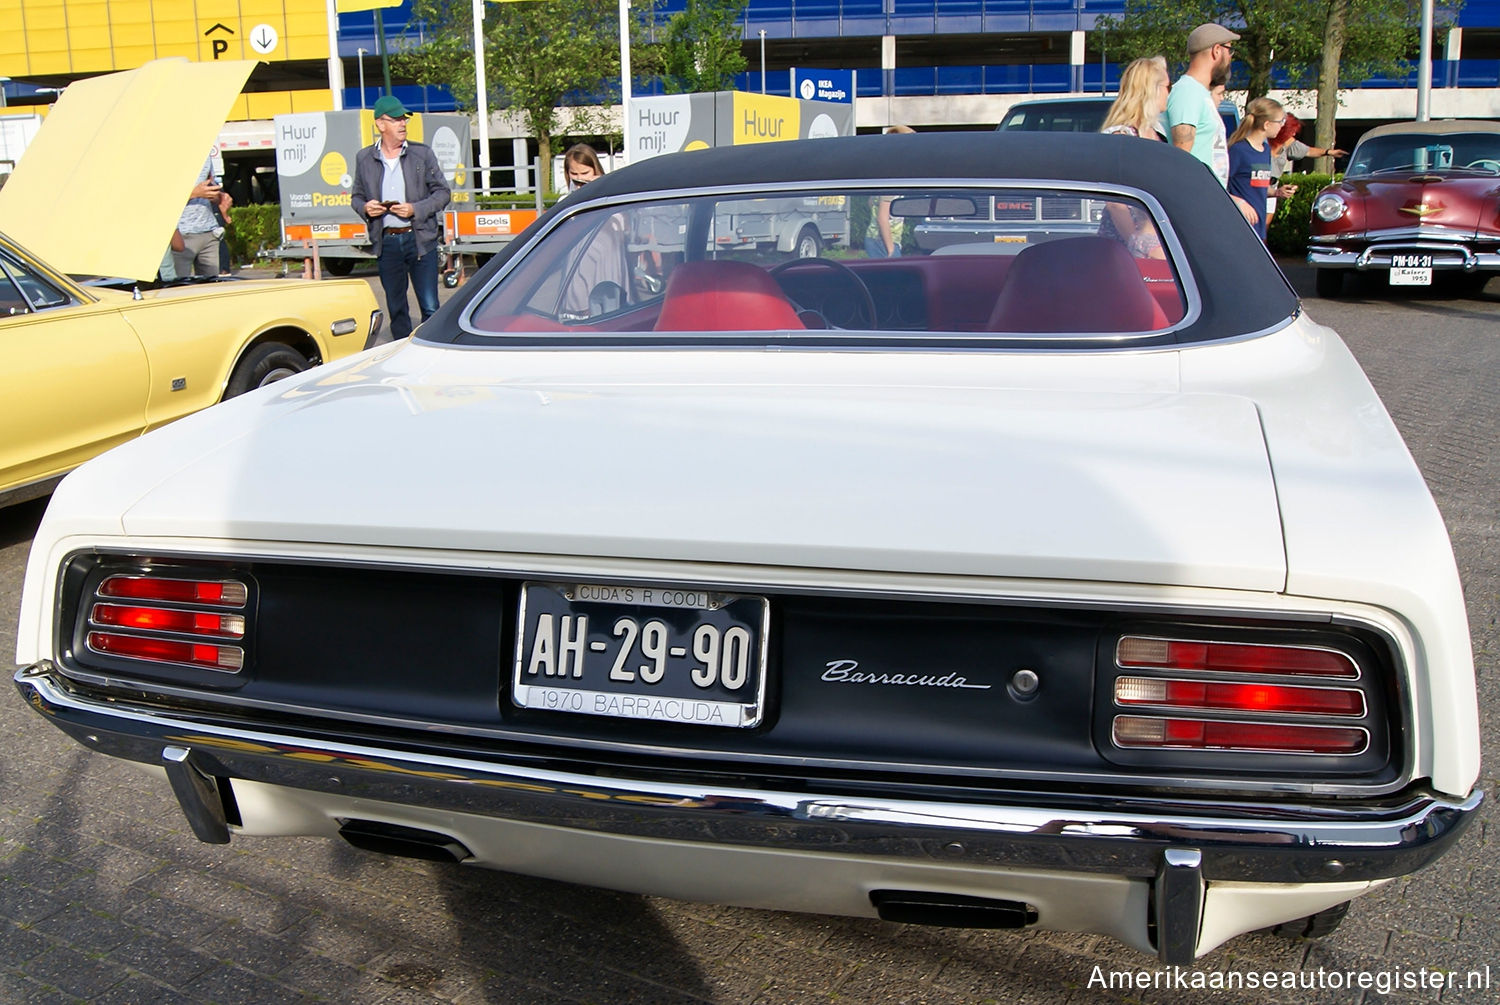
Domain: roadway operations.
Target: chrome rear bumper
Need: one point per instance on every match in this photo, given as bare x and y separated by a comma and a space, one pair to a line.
1177, 846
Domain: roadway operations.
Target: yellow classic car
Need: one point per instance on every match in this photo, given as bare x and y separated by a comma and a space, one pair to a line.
84, 367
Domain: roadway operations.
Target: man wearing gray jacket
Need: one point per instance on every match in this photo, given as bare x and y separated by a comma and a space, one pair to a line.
399, 190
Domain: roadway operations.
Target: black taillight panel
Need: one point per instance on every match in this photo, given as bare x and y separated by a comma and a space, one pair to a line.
982, 691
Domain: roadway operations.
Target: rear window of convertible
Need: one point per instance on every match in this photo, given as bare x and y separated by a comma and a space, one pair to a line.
999, 262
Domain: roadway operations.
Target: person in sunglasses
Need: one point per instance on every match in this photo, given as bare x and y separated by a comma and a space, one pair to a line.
1192, 114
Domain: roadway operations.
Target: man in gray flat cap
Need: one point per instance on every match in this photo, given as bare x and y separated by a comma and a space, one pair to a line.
1193, 118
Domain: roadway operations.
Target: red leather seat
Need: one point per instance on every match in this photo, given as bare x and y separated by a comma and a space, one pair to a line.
718, 296
1076, 284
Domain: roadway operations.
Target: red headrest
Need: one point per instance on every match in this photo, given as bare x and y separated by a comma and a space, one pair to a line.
718, 296
1076, 284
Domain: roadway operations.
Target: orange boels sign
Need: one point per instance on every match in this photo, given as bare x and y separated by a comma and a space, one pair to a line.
487, 223
325, 232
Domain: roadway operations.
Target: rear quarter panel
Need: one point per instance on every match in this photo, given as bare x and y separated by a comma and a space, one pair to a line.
197, 335
1359, 523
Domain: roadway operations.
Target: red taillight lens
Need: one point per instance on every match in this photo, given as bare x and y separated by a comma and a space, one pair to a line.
219, 593
1147, 653
182, 619
1250, 697
162, 619
168, 651
1206, 734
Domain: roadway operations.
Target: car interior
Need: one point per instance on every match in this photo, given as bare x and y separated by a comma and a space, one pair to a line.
707, 266
1427, 152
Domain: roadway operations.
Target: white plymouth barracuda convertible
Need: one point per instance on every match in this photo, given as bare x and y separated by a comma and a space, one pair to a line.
1077, 582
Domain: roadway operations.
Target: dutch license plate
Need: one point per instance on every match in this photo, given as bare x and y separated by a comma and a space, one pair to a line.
666, 654
1411, 270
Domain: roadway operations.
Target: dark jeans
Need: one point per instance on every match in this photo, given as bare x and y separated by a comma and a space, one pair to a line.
398, 263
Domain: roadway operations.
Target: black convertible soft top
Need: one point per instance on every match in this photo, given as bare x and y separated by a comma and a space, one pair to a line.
1241, 288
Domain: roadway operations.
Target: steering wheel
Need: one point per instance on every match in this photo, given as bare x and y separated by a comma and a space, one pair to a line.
1485, 164
866, 302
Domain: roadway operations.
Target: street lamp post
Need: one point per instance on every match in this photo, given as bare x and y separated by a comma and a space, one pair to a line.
1424, 64
762, 61
625, 130
482, 97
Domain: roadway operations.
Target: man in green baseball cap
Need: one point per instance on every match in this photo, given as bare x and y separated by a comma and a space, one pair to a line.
399, 191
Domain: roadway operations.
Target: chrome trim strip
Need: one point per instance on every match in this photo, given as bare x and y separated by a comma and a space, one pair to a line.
1438, 232
1179, 892
1237, 841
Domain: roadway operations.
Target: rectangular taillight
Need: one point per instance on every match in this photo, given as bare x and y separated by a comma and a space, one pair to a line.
1214, 734
1147, 652
166, 618
1280, 702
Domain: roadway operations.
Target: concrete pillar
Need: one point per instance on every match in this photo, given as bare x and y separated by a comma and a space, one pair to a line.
1075, 60
521, 156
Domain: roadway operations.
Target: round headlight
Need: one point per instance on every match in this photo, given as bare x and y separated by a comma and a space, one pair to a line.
1330, 207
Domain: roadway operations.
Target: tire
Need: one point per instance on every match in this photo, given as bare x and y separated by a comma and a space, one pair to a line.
264, 364
809, 244
1314, 926
450, 279
339, 266
1330, 283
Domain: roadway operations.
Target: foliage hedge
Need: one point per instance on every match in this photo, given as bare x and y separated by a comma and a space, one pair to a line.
1290, 224
252, 229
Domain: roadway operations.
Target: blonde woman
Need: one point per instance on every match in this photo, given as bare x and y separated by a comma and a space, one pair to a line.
1144, 87
1250, 156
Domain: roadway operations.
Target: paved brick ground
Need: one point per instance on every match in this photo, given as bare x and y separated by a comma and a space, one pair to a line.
106, 897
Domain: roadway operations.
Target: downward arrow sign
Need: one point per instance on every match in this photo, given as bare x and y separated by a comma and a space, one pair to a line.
263, 38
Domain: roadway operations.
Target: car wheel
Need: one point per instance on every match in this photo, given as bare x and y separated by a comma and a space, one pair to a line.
1314, 926
264, 364
808, 242
1330, 283
338, 266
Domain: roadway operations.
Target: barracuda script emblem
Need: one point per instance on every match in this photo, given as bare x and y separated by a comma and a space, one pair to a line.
848, 672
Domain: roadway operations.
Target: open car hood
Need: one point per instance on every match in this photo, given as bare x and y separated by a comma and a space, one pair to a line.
118, 152
759, 467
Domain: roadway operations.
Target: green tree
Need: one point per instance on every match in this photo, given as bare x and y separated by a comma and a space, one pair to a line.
702, 46
1379, 36
536, 55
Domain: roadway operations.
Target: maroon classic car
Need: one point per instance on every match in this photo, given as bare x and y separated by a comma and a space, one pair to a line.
1419, 198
